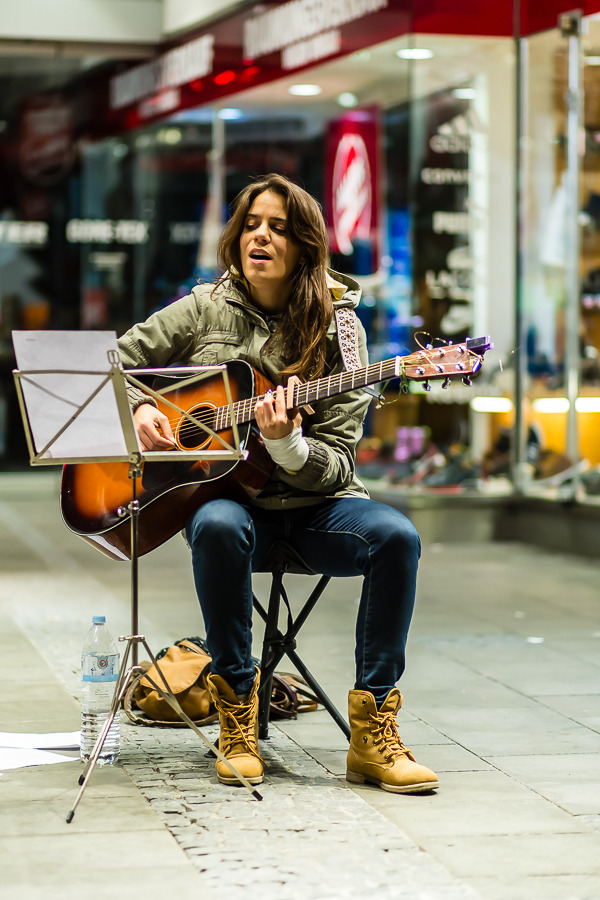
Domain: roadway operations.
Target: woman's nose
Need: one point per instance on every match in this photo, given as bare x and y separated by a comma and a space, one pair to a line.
263, 230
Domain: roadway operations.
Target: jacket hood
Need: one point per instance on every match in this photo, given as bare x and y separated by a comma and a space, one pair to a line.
346, 292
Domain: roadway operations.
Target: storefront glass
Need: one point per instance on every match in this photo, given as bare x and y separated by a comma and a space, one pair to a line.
561, 447
543, 153
462, 196
427, 123
410, 145
588, 403
40, 122
143, 195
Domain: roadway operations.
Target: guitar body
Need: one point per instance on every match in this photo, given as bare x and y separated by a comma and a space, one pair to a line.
94, 496
92, 493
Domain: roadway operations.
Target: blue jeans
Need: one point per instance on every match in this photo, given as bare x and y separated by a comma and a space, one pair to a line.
339, 537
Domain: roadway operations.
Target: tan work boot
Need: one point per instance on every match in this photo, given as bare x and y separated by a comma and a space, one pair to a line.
376, 752
238, 740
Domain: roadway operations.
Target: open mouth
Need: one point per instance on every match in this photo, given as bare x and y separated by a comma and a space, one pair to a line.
259, 254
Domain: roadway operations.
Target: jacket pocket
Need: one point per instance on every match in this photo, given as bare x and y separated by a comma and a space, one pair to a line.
219, 348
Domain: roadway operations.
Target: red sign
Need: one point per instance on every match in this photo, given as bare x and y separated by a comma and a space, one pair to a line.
353, 169
255, 46
46, 151
270, 40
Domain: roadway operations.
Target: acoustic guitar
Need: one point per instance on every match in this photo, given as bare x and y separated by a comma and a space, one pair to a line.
94, 496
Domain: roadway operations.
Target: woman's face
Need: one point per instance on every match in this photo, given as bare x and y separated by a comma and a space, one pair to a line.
269, 259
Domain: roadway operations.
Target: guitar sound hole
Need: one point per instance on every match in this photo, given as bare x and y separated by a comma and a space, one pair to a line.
189, 436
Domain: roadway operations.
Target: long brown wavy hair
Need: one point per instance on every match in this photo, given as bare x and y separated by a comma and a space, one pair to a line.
303, 325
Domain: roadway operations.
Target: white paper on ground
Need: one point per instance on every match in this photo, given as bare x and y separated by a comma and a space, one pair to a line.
18, 758
61, 740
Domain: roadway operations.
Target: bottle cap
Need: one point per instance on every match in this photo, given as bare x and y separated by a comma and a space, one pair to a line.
98, 620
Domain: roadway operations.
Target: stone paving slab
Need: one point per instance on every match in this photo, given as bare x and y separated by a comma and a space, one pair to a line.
116, 845
516, 817
311, 838
540, 887
520, 855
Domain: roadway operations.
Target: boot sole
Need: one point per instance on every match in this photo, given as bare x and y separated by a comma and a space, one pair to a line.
235, 782
355, 778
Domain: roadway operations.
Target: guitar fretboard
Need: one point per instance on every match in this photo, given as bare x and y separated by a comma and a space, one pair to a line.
312, 391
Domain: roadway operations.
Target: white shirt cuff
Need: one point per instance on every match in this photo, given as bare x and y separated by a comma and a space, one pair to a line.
289, 452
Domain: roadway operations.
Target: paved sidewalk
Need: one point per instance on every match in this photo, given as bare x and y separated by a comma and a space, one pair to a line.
511, 726
116, 842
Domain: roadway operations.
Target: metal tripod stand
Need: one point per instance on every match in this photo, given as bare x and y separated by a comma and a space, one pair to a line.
127, 674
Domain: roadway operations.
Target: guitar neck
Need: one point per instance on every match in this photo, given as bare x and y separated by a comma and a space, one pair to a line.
313, 391
445, 362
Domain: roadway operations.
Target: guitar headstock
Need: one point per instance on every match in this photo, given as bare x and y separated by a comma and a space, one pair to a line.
446, 362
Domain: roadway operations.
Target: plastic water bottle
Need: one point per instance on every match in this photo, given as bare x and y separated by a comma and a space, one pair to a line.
99, 673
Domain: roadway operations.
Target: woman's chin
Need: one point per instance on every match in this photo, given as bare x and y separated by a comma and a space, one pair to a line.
259, 279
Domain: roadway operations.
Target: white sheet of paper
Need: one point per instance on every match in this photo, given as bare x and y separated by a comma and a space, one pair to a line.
52, 399
18, 758
59, 740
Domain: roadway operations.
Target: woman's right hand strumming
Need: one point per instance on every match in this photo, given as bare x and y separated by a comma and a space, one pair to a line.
153, 428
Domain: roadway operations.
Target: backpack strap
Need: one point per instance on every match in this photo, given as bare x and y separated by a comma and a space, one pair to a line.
345, 320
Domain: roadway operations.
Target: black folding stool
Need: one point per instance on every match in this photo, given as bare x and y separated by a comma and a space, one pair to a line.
282, 558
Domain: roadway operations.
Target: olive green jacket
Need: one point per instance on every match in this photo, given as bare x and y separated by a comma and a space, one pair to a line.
216, 324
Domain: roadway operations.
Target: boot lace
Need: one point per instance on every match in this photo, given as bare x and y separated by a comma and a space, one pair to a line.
240, 725
384, 729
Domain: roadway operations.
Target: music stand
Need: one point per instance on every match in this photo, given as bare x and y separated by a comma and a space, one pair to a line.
59, 405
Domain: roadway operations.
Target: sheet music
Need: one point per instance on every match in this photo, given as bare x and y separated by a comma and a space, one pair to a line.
52, 399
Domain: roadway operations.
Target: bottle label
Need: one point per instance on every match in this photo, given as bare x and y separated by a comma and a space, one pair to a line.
100, 667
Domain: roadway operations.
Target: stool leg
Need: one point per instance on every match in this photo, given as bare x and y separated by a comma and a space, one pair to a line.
271, 637
319, 693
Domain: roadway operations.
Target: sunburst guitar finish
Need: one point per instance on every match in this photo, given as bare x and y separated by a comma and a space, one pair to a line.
95, 495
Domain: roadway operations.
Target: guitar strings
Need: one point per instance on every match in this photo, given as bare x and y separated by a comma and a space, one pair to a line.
210, 415
345, 378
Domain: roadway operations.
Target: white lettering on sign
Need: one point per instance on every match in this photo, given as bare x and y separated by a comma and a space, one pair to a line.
160, 103
107, 261
179, 66
27, 234
351, 192
105, 231
445, 176
454, 284
308, 51
300, 19
450, 143
452, 222
454, 136
184, 232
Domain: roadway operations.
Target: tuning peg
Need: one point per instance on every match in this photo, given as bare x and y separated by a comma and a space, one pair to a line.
426, 386
466, 380
446, 383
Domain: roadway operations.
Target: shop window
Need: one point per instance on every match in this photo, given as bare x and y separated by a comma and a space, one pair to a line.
562, 459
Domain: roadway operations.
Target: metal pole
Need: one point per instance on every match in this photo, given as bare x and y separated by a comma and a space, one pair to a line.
212, 222
570, 25
134, 508
519, 449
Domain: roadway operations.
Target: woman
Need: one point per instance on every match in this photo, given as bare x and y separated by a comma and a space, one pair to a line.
274, 308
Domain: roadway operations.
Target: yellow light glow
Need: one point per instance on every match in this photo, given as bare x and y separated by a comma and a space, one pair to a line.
491, 404
587, 404
551, 405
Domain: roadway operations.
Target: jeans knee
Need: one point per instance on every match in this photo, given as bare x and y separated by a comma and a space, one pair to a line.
402, 538
219, 524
